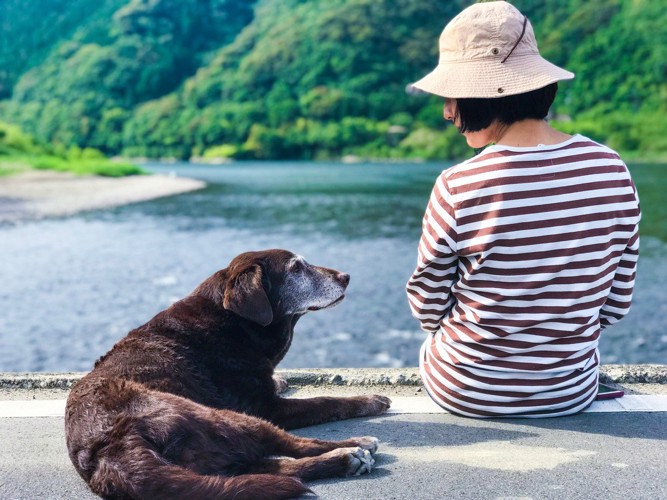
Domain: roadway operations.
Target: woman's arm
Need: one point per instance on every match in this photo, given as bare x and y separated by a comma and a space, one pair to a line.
429, 287
619, 299
620, 295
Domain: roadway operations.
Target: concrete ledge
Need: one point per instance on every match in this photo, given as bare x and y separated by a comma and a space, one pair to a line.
319, 377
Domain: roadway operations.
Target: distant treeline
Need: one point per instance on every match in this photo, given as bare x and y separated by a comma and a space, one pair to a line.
308, 79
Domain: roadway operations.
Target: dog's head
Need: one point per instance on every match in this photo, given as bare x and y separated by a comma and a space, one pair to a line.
270, 285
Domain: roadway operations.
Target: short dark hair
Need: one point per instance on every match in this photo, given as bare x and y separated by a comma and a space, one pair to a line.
476, 114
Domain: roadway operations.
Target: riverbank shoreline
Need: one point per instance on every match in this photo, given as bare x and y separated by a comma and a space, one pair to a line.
38, 194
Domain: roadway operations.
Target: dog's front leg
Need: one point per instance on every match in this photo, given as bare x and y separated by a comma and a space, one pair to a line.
295, 413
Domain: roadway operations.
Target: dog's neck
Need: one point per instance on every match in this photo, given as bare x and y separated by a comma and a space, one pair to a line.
289, 334
275, 339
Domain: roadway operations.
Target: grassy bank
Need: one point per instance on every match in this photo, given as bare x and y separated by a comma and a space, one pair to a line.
11, 165
20, 152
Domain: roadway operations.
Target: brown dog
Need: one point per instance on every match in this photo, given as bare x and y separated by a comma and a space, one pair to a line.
181, 407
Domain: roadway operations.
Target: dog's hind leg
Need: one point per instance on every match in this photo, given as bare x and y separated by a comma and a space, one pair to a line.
192, 442
314, 458
340, 462
228, 442
286, 444
132, 469
272, 440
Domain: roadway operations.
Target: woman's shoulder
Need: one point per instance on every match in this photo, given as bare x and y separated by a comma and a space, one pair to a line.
574, 143
497, 163
584, 141
577, 147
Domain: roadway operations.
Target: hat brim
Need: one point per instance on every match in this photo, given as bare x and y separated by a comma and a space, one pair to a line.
491, 78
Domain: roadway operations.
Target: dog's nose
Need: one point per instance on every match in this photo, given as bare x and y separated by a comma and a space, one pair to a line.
344, 278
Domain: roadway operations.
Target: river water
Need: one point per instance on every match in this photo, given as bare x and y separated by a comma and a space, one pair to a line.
71, 287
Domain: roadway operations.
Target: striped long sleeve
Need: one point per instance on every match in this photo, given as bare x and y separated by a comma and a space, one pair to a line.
429, 288
525, 255
619, 299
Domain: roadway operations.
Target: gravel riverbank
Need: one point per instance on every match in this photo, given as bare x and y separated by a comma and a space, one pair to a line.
38, 194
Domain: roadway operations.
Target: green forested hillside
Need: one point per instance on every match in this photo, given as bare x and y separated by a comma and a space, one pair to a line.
303, 78
85, 90
29, 31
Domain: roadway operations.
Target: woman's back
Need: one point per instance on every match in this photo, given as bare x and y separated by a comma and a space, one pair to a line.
526, 254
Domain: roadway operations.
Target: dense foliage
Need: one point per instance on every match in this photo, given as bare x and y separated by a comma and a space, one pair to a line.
304, 79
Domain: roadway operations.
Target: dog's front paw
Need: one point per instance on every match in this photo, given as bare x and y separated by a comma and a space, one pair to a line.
377, 404
280, 384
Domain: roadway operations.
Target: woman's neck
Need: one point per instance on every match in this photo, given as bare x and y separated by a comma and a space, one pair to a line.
529, 133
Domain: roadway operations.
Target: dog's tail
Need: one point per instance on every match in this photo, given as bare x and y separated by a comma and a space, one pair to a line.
152, 477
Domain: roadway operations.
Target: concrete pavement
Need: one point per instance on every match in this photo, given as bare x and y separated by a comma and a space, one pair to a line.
422, 455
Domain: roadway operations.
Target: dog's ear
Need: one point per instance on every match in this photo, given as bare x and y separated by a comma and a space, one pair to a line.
245, 296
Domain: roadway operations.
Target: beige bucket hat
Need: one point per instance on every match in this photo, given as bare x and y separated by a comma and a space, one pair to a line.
489, 50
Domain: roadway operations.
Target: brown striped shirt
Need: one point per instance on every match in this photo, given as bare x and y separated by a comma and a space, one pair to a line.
526, 255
